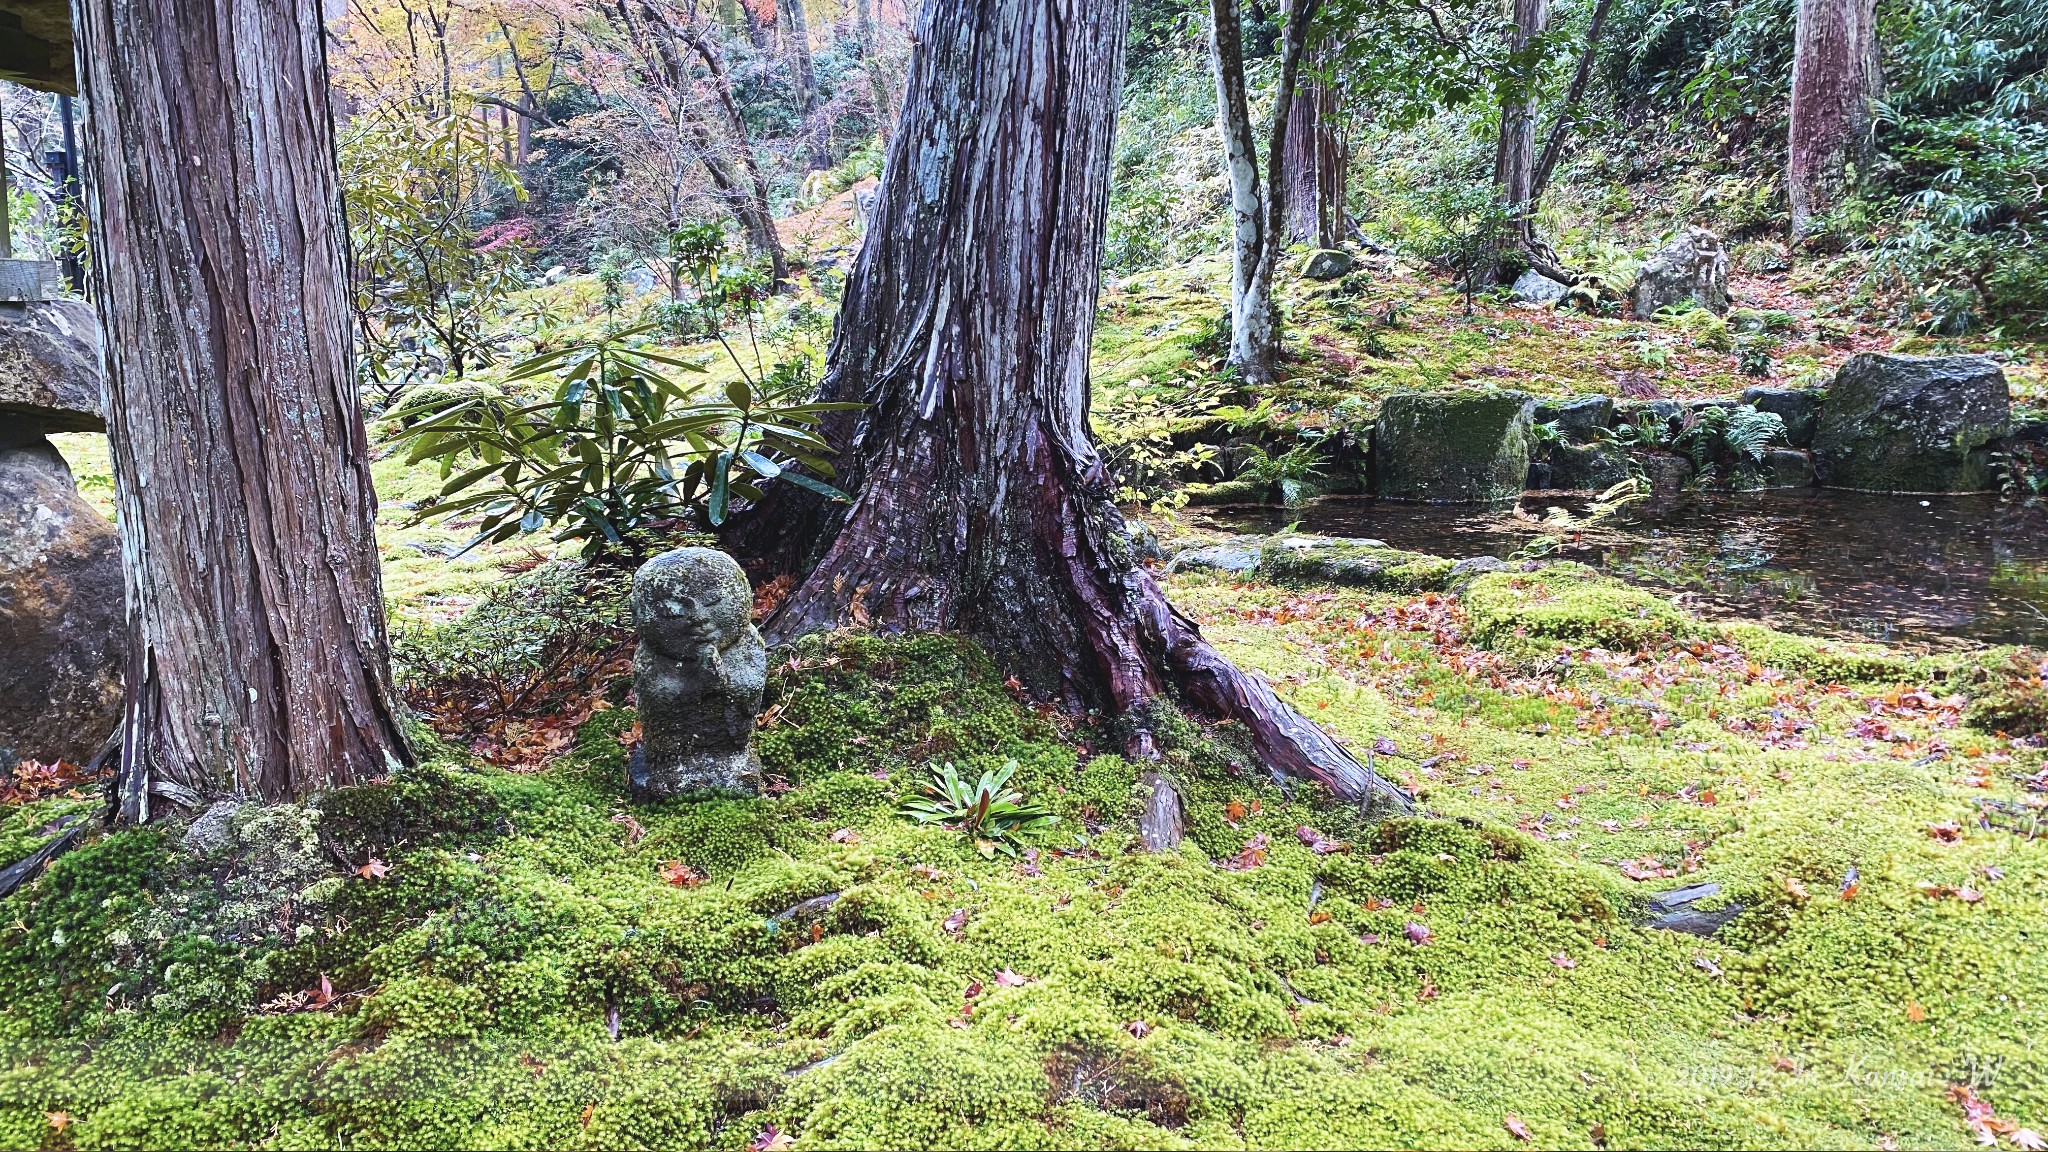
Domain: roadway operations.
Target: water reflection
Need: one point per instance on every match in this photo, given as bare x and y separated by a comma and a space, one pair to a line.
1883, 567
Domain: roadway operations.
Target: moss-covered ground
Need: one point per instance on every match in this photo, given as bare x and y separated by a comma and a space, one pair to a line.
471, 957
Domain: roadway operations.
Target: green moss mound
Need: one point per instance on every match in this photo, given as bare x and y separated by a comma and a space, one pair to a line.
1574, 604
526, 967
1352, 563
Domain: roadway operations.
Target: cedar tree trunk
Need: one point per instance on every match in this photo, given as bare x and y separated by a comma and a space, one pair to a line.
1514, 159
1258, 203
979, 502
1834, 79
1315, 164
258, 664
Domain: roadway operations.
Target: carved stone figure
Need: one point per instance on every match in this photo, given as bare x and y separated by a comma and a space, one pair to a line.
697, 676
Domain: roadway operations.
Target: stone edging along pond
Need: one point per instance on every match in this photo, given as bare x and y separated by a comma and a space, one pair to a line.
1886, 423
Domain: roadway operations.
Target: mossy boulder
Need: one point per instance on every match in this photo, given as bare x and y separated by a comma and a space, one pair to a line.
1574, 604
1454, 447
1799, 408
423, 401
2011, 693
1352, 562
1912, 423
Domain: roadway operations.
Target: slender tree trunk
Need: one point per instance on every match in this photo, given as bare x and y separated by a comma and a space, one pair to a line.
1258, 201
800, 54
1317, 159
1834, 80
1568, 112
258, 659
980, 504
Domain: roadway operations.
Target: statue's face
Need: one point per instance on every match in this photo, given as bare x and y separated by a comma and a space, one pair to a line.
690, 606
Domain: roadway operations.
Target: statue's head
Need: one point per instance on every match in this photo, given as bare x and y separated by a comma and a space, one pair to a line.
690, 599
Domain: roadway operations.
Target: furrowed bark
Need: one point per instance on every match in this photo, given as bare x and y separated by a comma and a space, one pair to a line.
1514, 162
1835, 78
258, 657
1316, 164
980, 504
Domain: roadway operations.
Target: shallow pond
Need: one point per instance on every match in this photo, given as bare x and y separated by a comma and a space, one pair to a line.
1883, 567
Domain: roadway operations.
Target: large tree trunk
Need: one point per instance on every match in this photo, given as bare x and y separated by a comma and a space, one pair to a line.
1316, 162
1834, 80
1514, 160
980, 504
1258, 202
258, 663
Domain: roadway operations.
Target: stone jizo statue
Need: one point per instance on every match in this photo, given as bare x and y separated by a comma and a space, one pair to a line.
697, 676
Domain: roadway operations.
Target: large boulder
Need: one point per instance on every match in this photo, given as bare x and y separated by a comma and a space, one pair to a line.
1912, 423
61, 627
1694, 266
50, 367
1453, 446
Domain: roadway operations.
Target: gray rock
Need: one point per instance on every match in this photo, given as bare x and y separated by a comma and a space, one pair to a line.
1798, 407
1477, 565
1780, 468
62, 626
50, 369
1353, 562
1236, 556
1668, 475
697, 676
1586, 467
1579, 419
1533, 287
1912, 423
213, 832
1633, 411
1144, 541
1694, 266
1674, 912
1327, 264
1453, 446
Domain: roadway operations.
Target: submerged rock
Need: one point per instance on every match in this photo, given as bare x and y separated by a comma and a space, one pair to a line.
1912, 423
1454, 447
1668, 475
698, 676
62, 627
1693, 266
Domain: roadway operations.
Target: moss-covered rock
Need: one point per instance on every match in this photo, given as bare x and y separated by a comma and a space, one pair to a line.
1575, 604
2009, 692
1912, 423
1351, 562
1453, 446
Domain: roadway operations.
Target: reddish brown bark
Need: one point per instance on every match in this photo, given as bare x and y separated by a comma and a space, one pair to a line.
1834, 80
980, 504
1316, 161
258, 661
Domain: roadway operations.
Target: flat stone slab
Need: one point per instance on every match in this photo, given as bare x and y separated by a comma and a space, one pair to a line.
50, 367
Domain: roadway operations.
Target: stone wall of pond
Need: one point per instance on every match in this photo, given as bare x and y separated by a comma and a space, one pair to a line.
1886, 423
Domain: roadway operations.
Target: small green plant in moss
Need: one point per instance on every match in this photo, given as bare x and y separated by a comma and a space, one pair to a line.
986, 811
